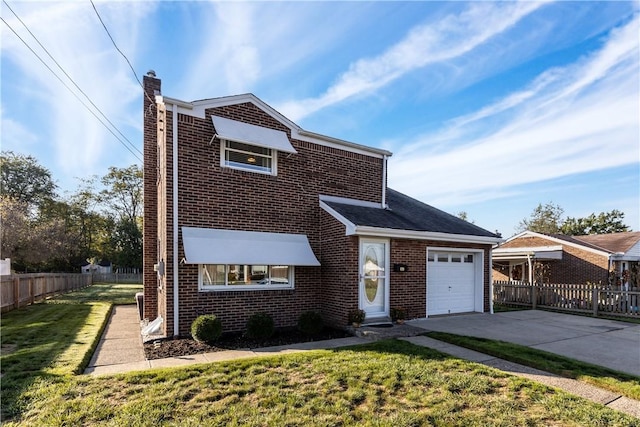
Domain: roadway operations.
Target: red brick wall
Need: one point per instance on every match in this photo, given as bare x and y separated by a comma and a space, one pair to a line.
216, 197
150, 201
339, 281
577, 265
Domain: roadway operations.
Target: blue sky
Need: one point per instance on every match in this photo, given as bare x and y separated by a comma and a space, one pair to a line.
489, 108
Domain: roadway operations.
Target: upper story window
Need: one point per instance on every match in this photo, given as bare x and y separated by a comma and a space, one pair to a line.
248, 157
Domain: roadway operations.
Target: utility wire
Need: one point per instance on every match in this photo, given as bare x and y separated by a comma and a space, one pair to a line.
70, 78
69, 89
121, 53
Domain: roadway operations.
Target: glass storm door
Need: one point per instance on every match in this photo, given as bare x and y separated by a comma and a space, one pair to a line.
373, 277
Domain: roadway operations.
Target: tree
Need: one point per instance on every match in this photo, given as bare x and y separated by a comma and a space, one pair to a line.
127, 244
544, 219
603, 223
123, 192
30, 242
24, 180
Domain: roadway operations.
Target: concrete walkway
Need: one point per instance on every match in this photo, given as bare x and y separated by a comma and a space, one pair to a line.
121, 350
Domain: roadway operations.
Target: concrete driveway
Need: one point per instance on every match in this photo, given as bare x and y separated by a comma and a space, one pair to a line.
608, 343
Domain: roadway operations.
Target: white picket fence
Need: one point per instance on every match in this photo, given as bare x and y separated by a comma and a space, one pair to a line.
591, 299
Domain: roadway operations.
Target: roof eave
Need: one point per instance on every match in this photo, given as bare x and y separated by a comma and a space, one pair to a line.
424, 235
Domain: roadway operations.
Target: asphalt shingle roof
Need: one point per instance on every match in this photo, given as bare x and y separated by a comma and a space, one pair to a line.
406, 213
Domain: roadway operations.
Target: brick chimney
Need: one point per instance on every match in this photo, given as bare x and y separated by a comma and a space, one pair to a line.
150, 226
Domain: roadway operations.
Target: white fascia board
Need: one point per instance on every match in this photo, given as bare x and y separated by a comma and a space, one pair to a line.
347, 201
560, 241
328, 141
424, 235
348, 224
198, 108
530, 250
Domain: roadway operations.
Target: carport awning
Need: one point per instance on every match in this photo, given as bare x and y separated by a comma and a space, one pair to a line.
216, 246
537, 252
246, 133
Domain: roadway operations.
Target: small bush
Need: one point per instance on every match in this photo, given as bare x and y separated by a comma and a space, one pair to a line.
398, 314
260, 326
206, 328
310, 323
356, 316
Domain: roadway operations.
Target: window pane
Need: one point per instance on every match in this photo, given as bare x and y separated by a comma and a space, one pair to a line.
236, 275
250, 161
456, 258
238, 146
430, 257
468, 258
213, 274
443, 257
279, 275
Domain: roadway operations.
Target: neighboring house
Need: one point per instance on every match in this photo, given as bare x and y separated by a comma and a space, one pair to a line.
246, 212
102, 267
597, 258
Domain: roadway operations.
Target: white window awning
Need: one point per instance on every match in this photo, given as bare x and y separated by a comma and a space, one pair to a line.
246, 133
215, 246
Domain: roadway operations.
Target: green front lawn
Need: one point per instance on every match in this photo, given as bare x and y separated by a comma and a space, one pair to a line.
386, 383
618, 382
53, 340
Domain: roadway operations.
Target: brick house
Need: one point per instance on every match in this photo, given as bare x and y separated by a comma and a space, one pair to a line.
246, 212
608, 259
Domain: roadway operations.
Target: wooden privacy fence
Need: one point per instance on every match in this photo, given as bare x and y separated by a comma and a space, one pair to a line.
18, 290
568, 297
117, 277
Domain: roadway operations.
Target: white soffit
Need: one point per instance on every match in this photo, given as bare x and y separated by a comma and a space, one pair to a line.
234, 130
215, 246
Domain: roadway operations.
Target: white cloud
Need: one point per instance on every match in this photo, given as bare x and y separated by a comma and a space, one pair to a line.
570, 120
433, 42
15, 136
73, 35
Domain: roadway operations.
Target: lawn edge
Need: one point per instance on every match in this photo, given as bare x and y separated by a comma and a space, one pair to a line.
96, 341
571, 374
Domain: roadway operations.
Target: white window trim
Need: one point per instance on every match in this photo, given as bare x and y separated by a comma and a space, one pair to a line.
235, 288
223, 161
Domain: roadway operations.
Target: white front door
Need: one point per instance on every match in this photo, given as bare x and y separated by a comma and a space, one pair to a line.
374, 280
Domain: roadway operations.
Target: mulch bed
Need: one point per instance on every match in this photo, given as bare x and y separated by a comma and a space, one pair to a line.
184, 346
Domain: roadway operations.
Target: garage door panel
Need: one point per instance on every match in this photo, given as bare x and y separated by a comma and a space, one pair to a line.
450, 285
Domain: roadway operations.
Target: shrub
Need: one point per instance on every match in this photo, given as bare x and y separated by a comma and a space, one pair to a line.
310, 323
357, 316
260, 326
398, 314
206, 328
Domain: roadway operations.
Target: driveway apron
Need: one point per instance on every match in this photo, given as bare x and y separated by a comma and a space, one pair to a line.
609, 343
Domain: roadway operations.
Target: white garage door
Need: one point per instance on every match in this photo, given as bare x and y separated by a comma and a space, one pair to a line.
450, 282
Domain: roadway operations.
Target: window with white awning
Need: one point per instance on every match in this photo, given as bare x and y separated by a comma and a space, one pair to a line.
217, 246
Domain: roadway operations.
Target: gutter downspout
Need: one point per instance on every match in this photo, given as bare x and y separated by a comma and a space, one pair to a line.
385, 158
176, 329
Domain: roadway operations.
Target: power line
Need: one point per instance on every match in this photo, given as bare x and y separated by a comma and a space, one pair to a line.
70, 78
69, 89
121, 53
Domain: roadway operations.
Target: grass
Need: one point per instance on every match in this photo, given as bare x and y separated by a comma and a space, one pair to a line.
618, 382
386, 383
53, 340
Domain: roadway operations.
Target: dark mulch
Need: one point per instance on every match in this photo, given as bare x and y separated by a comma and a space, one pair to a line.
184, 346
